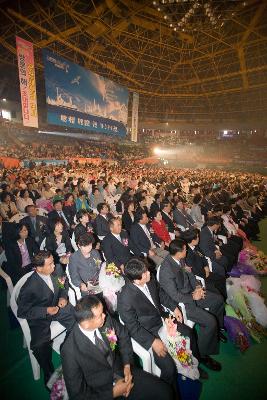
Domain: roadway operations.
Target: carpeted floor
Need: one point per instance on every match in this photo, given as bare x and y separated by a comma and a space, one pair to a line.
243, 375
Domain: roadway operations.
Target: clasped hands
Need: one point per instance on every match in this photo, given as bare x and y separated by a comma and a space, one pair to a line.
199, 293
54, 310
124, 386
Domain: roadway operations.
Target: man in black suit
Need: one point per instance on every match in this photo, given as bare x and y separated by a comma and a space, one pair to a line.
139, 306
37, 224
58, 214
182, 286
181, 218
144, 242
116, 244
41, 301
207, 246
167, 217
97, 357
199, 264
101, 222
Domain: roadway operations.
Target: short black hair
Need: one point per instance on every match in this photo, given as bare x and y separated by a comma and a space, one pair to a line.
81, 213
29, 206
217, 208
165, 203
226, 209
39, 258
134, 269
100, 207
176, 246
197, 198
190, 235
84, 307
139, 215
85, 239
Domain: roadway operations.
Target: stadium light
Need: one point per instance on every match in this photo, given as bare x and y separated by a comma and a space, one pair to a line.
3, 99
157, 151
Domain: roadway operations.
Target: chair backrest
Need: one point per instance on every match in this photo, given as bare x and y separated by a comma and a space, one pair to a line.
74, 292
42, 212
42, 245
73, 242
17, 217
14, 307
2, 258
158, 270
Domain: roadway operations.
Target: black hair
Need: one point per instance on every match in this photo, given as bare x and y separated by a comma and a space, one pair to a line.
226, 209
85, 239
81, 213
84, 307
22, 192
197, 198
176, 246
190, 235
134, 269
100, 207
139, 215
39, 258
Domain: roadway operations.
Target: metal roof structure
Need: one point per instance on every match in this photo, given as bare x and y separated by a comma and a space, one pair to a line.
188, 59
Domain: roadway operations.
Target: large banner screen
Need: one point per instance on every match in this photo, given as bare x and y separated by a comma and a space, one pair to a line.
78, 98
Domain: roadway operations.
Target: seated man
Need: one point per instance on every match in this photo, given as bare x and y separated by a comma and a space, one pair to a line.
37, 224
199, 264
41, 301
139, 306
208, 247
97, 356
58, 213
182, 286
116, 244
101, 222
84, 266
143, 242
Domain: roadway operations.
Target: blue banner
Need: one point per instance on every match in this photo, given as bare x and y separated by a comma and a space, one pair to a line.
78, 98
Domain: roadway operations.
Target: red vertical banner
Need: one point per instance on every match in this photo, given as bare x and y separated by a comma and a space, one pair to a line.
27, 82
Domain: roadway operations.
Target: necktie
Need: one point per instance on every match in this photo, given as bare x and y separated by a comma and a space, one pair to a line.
63, 216
101, 345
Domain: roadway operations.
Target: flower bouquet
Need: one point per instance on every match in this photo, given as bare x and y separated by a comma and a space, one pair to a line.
111, 281
57, 386
179, 349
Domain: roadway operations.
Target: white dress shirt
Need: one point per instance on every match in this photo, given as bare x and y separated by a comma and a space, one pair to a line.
91, 334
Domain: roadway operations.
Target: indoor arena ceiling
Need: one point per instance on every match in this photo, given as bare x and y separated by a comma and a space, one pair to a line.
189, 60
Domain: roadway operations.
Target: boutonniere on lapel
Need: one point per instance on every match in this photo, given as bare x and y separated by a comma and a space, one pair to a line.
61, 282
97, 262
112, 338
186, 268
125, 242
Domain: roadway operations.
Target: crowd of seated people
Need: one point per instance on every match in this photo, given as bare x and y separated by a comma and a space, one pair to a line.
148, 221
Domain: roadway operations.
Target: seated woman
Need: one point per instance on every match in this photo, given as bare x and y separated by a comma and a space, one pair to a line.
59, 244
84, 266
24, 200
83, 225
160, 229
195, 212
19, 253
82, 202
7, 207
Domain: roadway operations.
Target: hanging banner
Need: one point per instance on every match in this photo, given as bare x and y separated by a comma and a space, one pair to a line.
27, 82
135, 117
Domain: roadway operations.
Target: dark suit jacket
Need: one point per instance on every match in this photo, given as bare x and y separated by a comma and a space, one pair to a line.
86, 371
114, 250
181, 219
206, 243
139, 240
141, 318
14, 259
69, 212
52, 246
127, 221
53, 216
33, 300
196, 261
101, 225
41, 227
168, 221
178, 283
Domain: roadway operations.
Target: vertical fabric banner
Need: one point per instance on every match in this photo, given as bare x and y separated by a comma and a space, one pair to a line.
27, 82
135, 117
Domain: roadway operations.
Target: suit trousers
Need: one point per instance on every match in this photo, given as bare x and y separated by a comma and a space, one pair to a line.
149, 387
208, 340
